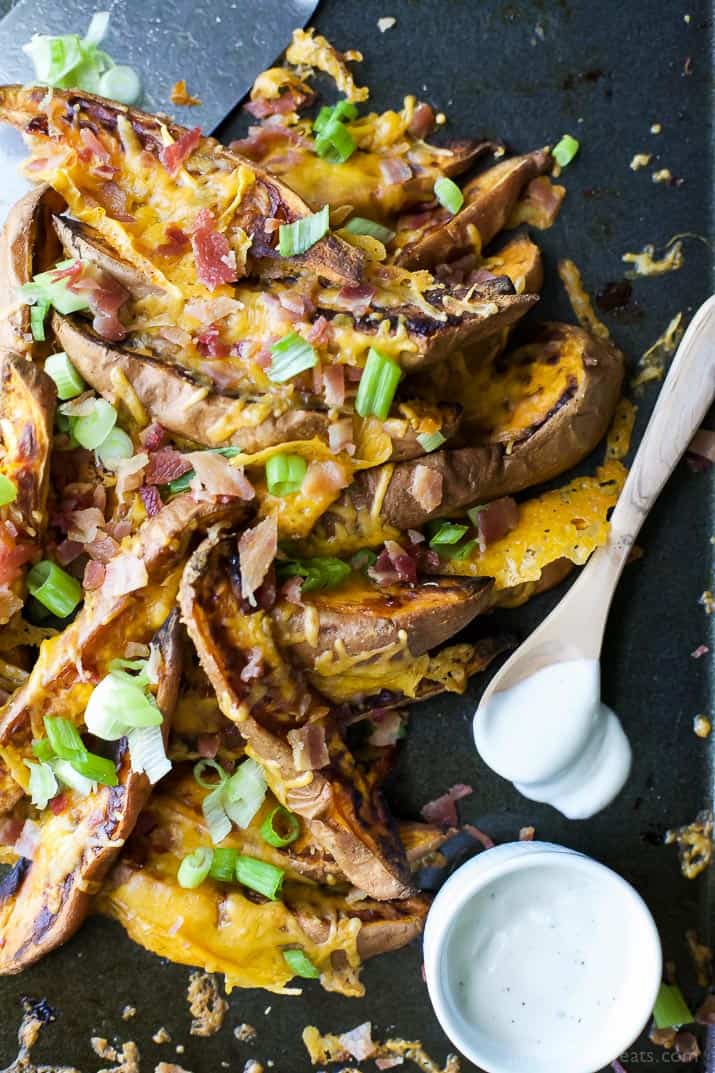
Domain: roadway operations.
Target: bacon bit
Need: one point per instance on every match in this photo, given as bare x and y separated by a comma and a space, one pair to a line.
357, 299
215, 260
166, 464
94, 151
216, 476
699, 652
526, 834
358, 1042
174, 156
177, 242
297, 304
291, 591
210, 344
113, 200
289, 100
703, 444
422, 122
310, 749
322, 479
254, 667
340, 436
94, 574
10, 829
387, 728
426, 487
105, 296
394, 170
13, 555
208, 310
28, 841
257, 549
120, 529
702, 957
125, 573
389, 1063
479, 835
82, 525
415, 536
102, 548
207, 745
68, 551
320, 332
151, 499
540, 203
443, 810
181, 96
497, 519
130, 473
334, 384
152, 437
58, 804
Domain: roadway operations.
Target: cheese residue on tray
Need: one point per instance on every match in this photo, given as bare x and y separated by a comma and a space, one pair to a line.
580, 302
652, 364
646, 264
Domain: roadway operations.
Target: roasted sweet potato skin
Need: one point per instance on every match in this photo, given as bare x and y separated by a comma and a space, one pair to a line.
48, 897
472, 475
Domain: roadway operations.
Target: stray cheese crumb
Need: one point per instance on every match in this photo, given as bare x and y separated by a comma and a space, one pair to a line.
386, 23
207, 1007
702, 726
640, 160
245, 1033
708, 601
652, 364
161, 1036
687, 18
645, 264
662, 176
656, 128
128, 1012
695, 845
440, 119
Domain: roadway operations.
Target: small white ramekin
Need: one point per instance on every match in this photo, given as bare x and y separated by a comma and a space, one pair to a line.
635, 1004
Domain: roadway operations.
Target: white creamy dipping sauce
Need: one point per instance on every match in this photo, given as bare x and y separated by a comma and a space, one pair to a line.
554, 738
541, 962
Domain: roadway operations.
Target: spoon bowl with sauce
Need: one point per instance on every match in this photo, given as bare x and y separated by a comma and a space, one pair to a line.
541, 722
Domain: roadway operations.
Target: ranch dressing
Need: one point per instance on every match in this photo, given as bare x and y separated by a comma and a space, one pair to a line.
554, 738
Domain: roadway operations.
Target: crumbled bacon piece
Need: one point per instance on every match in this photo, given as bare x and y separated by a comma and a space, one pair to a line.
124, 574
322, 479
340, 436
358, 1042
443, 810
215, 260
59, 804
166, 464
217, 477
289, 100
207, 745
153, 436
387, 728
82, 525
177, 242
257, 549
67, 551
13, 555
310, 749
497, 519
291, 591
319, 333
151, 499
254, 667
426, 487
394, 170
356, 300
174, 156
422, 122
210, 344
94, 573
334, 384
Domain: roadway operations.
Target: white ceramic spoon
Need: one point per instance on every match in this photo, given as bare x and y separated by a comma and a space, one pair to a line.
563, 738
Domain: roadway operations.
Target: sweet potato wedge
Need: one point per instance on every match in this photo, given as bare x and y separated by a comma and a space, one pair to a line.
51, 125
144, 896
520, 259
44, 901
349, 821
547, 406
488, 201
27, 245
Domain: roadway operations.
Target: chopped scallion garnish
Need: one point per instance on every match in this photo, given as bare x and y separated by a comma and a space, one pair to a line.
56, 590
92, 430
430, 441
296, 238
320, 572
260, 876
67, 380
8, 490
671, 1010
68, 776
378, 385
195, 867
38, 312
244, 792
46, 290
118, 704
43, 784
116, 447
342, 111
565, 150
448, 533
448, 194
360, 226
285, 473
300, 964
147, 752
183, 483
473, 514
335, 143
223, 865
121, 83
289, 356
280, 827
96, 768
63, 737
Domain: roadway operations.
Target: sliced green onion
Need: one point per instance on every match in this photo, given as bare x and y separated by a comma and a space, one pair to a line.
97, 768
64, 738
38, 312
121, 83
260, 876
44, 288
209, 784
114, 448
671, 1010
54, 588
147, 752
448, 194
97, 29
289, 356
8, 490
378, 385
214, 812
430, 441
343, 110
54, 57
448, 533
296, 238
335, 143
120, 704
363, 558
458, 553
244, 792
280, 827
360, 226
223, 865
68, 381
565, 150
320, 572
42, 749
300, 964
67, 775
43, 784
285, 473
91, 431
473, 514
195, 867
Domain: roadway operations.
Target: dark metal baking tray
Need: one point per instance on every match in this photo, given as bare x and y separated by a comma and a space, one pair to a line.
525, 71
